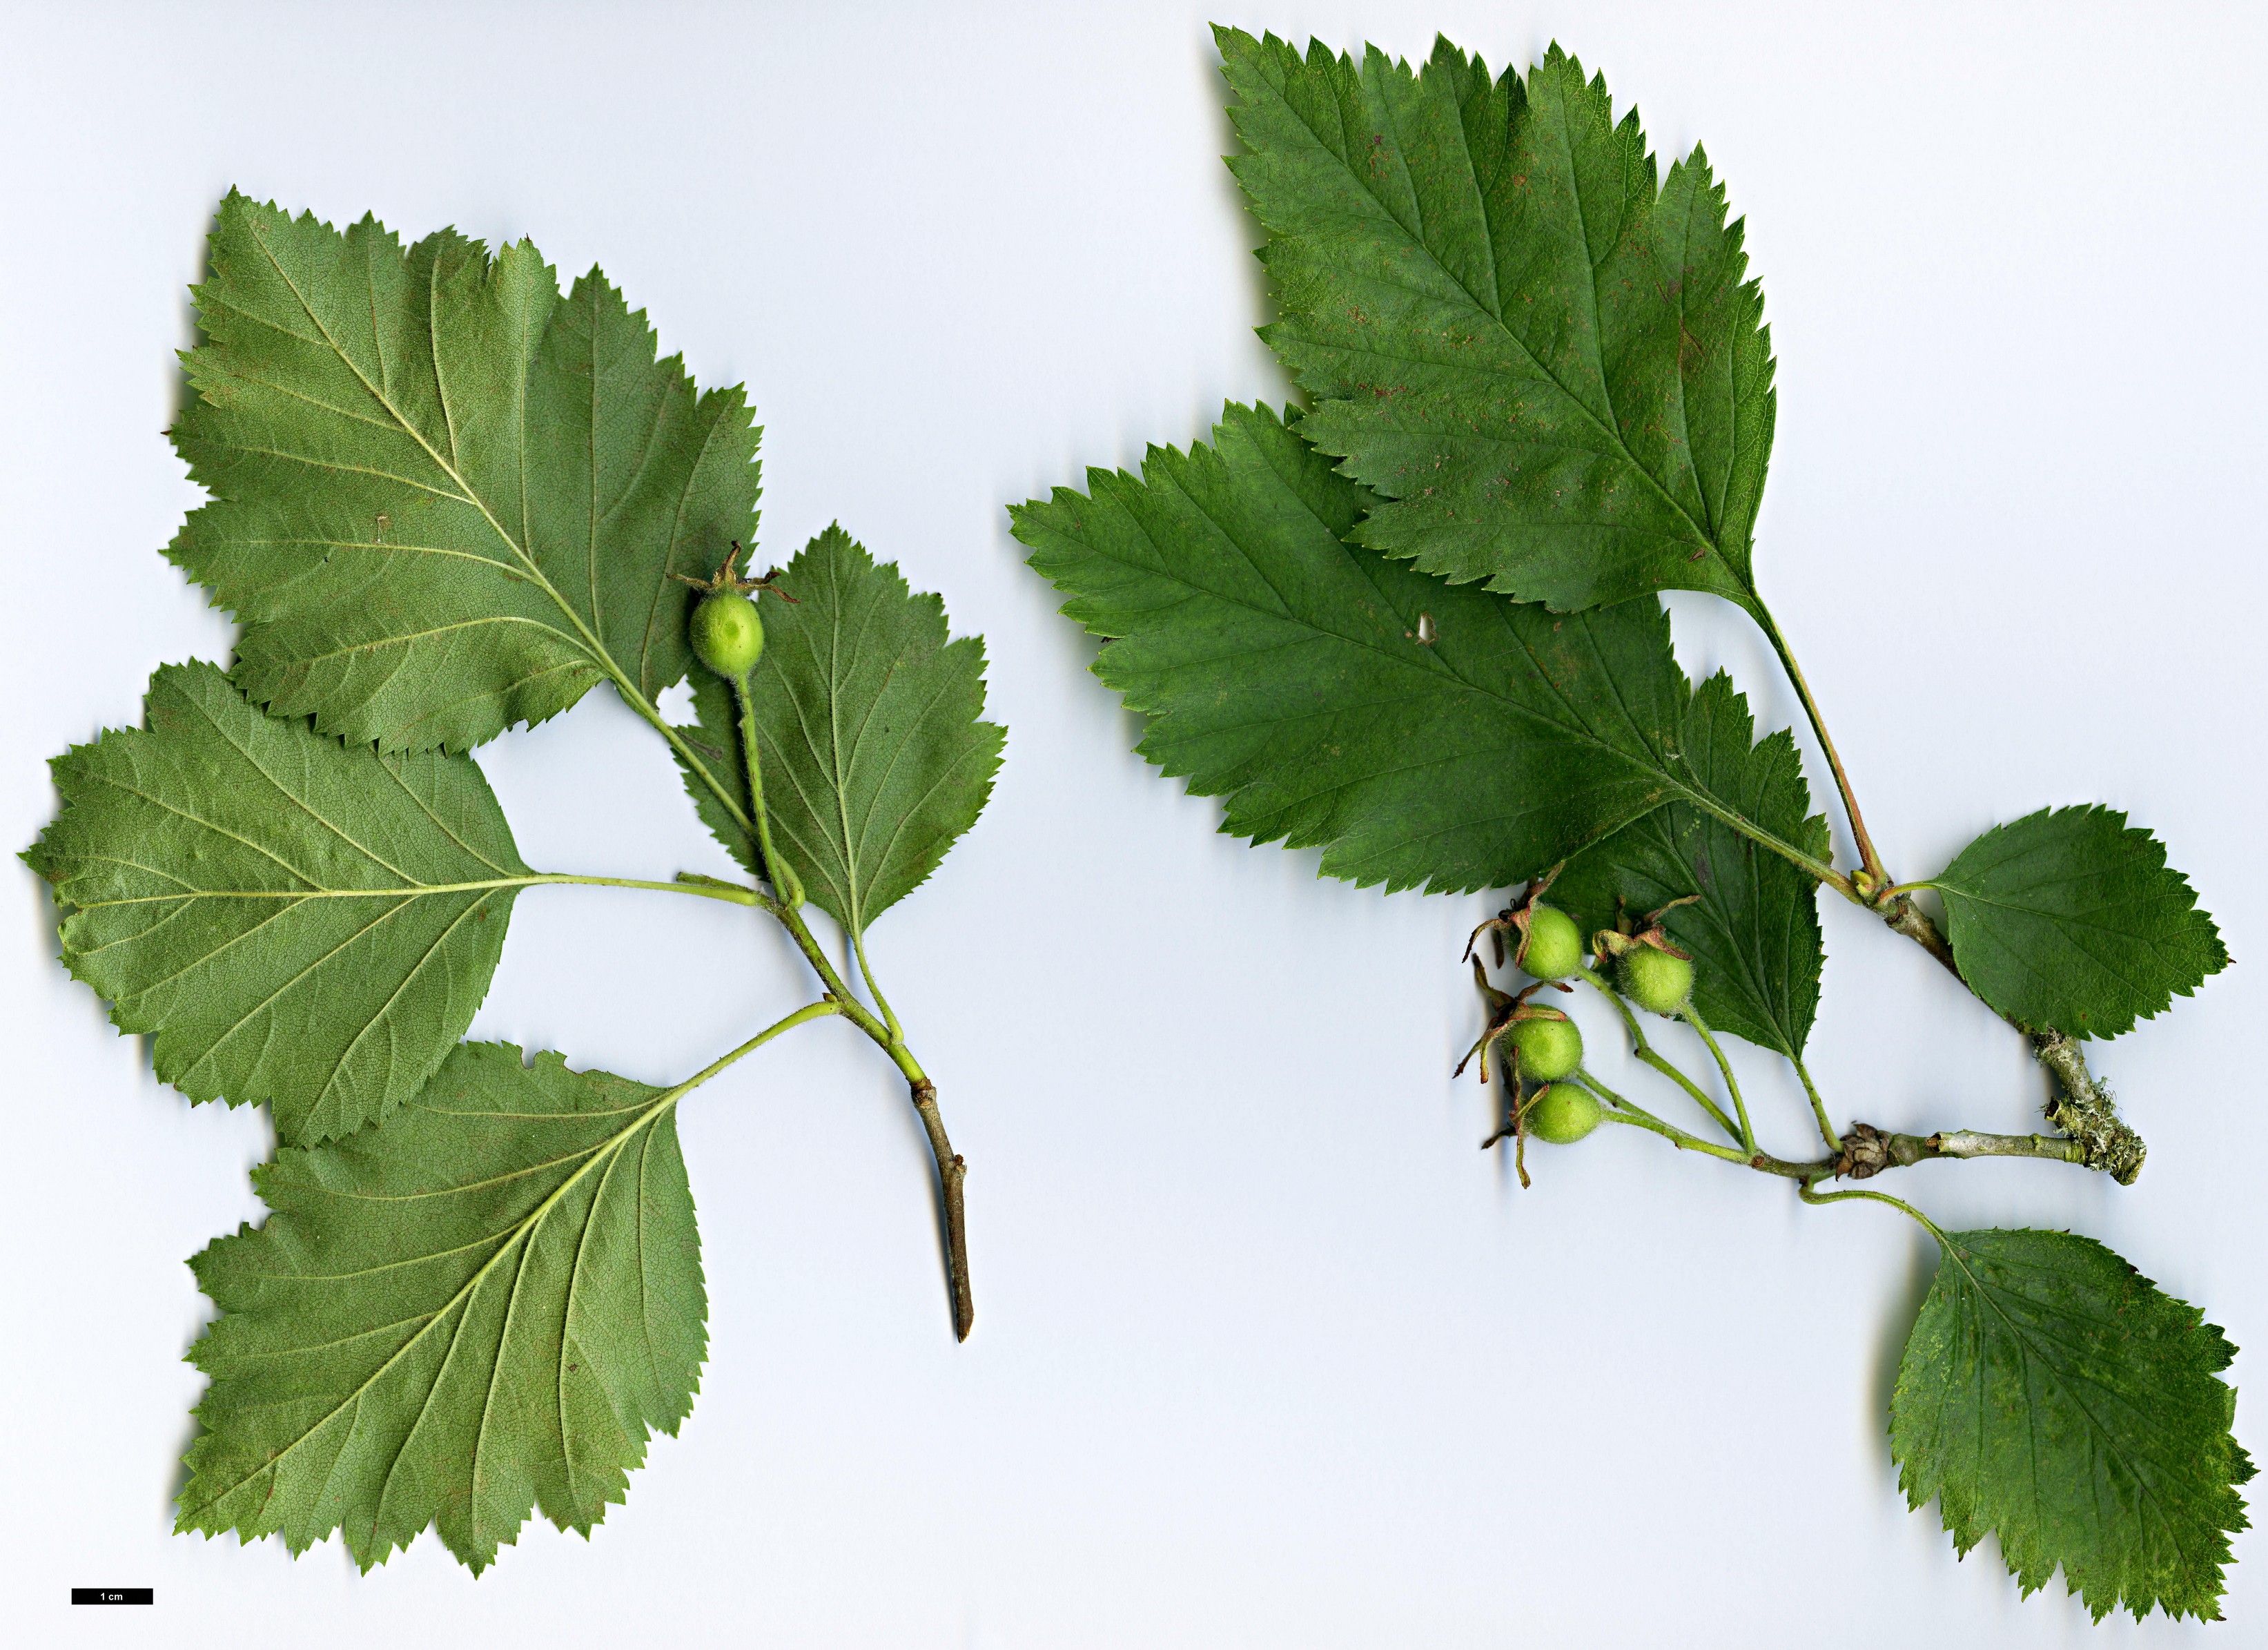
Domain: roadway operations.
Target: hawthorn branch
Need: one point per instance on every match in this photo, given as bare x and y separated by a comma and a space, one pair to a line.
1867, 1151
2086, 1109
2083, 1106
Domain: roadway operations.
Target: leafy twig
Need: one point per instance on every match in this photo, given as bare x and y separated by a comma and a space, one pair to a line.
2084, 1107
885, 1033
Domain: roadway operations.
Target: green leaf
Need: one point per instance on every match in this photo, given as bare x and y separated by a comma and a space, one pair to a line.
444, 500
485, 1304
874, 758
295, 922
1555, 372
1288, 670
1754, 933
2071, 921
2053, 1396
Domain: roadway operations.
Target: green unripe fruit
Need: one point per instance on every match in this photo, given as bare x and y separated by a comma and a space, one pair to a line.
727, 635
1564, 1113
1555, 945
1654, 980
1549, 1049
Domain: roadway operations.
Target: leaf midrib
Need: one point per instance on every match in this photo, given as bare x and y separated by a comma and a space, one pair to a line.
402, 893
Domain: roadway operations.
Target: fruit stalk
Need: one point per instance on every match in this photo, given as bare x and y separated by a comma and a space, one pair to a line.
1731, 1083
1644, 1051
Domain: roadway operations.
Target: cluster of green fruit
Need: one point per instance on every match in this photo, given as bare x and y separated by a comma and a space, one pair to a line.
1549, 1046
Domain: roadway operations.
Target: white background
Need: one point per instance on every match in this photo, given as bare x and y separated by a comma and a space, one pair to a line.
1267, 1354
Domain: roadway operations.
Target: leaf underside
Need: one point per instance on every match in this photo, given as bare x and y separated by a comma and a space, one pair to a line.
294, 922
1553, 371
1282, 666
2051, 1396
445, 499
2071, 919
486, 1304
876, 758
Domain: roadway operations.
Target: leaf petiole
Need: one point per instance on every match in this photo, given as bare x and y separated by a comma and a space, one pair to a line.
705, 887
804, 1015
1803, 1190
875, 990
2084, 1106
639, 703
1818, 1106
1869, 860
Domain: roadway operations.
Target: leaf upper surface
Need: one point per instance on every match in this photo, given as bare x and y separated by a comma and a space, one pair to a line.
484, 1305
876, 758
296, 922
2053, 1396
445, 499
1281, 666
1553, 371
2071, 920
1754, 933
